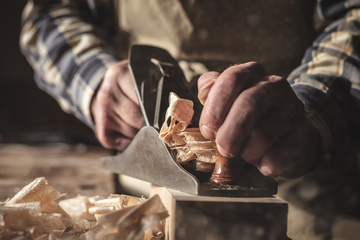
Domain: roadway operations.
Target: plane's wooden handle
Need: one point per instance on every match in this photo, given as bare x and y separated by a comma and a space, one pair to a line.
226, 170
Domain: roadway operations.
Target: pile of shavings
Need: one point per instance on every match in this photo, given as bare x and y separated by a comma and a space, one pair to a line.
33, 213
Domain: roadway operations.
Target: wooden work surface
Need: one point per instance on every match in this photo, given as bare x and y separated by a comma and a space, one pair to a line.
69, 169
204, 217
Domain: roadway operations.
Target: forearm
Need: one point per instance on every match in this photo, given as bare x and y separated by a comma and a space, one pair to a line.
67, 52
328, 80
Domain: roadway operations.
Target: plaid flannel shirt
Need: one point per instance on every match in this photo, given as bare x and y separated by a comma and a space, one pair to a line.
66, 44
328, 79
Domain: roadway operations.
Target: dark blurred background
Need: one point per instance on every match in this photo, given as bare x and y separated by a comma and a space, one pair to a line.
27, 114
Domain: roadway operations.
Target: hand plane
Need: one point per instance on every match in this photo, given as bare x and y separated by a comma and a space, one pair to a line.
156, 73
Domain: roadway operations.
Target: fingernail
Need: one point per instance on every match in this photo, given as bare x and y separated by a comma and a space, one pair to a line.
204, 91
223, 152
207, 132
202, 97
208, 85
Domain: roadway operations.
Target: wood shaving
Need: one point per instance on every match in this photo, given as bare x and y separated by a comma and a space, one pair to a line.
178, 117
33, 214
187, 144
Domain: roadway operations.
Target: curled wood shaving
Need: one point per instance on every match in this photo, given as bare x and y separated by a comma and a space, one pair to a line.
179, 114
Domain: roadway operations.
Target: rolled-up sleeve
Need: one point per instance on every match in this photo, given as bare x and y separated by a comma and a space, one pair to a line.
328, 80
69, 54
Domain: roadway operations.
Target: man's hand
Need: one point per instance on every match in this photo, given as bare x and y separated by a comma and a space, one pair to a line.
258, 116
115, 108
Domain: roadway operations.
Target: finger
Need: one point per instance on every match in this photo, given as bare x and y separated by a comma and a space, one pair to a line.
111, 98
281, 159
205, 84
293, 156
248, 109
128, 87
120, 72
113, 133
128, 111
223, 93
116, 123
114, 140
266, 133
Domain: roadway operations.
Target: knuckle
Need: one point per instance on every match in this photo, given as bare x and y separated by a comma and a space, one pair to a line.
117, 68
104, 93
252, 67
268, 167
243, 73
278, 79
232, 75
114, 73
105, 90
256, 67
269, 171
251, 64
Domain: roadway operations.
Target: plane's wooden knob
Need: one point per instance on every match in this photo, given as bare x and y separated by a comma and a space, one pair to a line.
226, 170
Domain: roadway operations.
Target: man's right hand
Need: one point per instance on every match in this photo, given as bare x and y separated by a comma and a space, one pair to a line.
115, 108
256, 115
